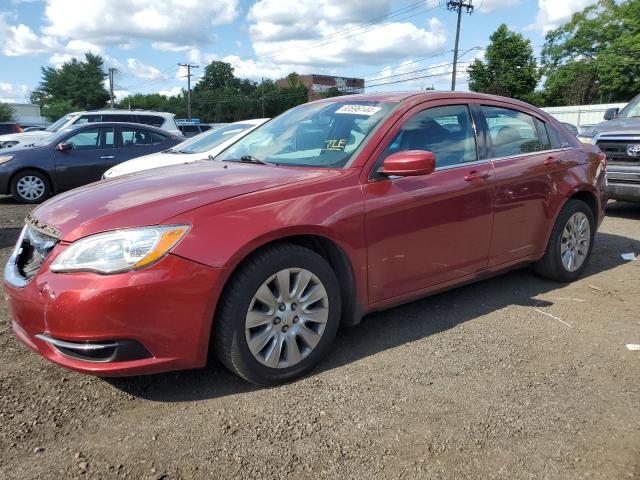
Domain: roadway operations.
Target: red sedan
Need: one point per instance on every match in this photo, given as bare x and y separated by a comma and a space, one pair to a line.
332, 210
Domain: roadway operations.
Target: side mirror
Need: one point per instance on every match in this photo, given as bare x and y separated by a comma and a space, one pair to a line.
63, 147
611, 113
410, 163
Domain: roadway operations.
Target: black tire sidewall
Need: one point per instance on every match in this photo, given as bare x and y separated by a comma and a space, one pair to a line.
572, 207
25, 173
243, 360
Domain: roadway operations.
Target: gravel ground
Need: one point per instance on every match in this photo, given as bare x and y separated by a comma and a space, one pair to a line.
479, 382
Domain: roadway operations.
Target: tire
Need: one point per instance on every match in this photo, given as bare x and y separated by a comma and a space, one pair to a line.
310, 335
552, 265
30, 186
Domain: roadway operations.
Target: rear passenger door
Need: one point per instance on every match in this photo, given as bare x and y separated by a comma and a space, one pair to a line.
137, 142
94, 152
525, 165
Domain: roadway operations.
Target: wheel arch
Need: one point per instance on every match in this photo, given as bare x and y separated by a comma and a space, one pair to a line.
331, 252
53, 185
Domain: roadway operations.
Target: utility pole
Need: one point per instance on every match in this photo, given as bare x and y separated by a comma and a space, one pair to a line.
457, 6
111, 73
189, 75
262, 95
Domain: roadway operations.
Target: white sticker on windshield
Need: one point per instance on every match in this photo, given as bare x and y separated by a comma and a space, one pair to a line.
359, 110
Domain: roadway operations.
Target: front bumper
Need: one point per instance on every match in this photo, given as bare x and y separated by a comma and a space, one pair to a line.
623, 183
167, 309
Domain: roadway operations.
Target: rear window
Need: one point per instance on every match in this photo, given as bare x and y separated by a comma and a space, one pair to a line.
111, 117
137, 137
153, 120
512, 132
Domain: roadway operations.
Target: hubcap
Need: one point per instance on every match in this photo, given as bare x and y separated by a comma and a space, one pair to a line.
576, 238
30, 187
287, 317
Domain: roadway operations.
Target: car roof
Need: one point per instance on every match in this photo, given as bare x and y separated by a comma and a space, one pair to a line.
418, 96
122, 124
124, 111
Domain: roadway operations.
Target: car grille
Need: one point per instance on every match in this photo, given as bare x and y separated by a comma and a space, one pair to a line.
34, 250
616, 150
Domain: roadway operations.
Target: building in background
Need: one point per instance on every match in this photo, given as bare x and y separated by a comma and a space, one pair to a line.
318, 85
28, 115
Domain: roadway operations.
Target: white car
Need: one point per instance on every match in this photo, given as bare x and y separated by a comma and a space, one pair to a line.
163, 120
200, 147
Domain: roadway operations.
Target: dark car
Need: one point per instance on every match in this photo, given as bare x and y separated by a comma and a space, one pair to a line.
192, 130
75, 157
619, 138
9, 127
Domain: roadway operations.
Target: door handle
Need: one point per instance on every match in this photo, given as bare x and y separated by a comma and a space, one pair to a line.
107, 157
551, 160
475, 175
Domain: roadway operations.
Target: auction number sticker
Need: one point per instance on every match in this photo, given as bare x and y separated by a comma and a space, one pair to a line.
359, 110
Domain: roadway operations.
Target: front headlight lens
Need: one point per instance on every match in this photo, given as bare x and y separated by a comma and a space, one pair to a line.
120, 250
5, 158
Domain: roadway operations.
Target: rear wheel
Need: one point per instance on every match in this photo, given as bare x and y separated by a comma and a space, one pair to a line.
278, 316
30, 186
570, 244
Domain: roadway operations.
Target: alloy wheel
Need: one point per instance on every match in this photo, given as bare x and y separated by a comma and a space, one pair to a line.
575, 241
287, 317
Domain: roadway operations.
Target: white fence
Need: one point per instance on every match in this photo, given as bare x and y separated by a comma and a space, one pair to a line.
581, 115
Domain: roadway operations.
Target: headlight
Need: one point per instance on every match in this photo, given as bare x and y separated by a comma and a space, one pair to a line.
587, 140
5, 158
120, 250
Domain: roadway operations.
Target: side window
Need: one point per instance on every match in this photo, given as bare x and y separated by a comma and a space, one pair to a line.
512, 132
135, 137
152, 120
88, 119
92, 138
445, 131
118, 118
544, 134
557, 141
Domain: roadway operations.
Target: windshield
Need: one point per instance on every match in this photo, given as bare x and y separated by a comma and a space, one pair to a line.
312, 135
211, 139
632, 109
57, 125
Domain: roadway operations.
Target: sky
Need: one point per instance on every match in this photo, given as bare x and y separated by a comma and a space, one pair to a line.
386, 42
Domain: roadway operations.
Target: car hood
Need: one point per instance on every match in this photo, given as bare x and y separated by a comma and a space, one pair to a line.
153, 196
618, 125
154, 160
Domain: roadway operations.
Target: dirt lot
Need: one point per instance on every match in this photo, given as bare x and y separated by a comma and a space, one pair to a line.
479, 382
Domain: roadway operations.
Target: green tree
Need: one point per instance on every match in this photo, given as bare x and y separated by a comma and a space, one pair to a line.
595, 56
6, 112
509, 68
76, 85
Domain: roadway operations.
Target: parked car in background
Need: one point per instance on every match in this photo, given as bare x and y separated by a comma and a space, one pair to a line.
334, 209
191, 130
619, 138
9, 127
571, 127
163, 120
76, 156
205, 145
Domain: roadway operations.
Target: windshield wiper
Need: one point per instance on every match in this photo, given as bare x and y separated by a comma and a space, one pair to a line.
252, 159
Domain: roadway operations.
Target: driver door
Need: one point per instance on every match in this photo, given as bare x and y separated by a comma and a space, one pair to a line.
428, 230
93, 153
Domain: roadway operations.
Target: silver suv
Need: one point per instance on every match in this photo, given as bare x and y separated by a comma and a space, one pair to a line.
163, 120
619, 138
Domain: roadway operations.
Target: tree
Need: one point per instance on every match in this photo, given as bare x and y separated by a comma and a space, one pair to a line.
594, 56
509, 68
6, 112
76, 85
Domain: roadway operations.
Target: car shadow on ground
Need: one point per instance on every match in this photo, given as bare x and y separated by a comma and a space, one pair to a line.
389, 329
624, 210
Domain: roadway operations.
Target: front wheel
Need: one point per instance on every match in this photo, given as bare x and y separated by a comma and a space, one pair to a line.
278, 315
570, 244
30, 186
